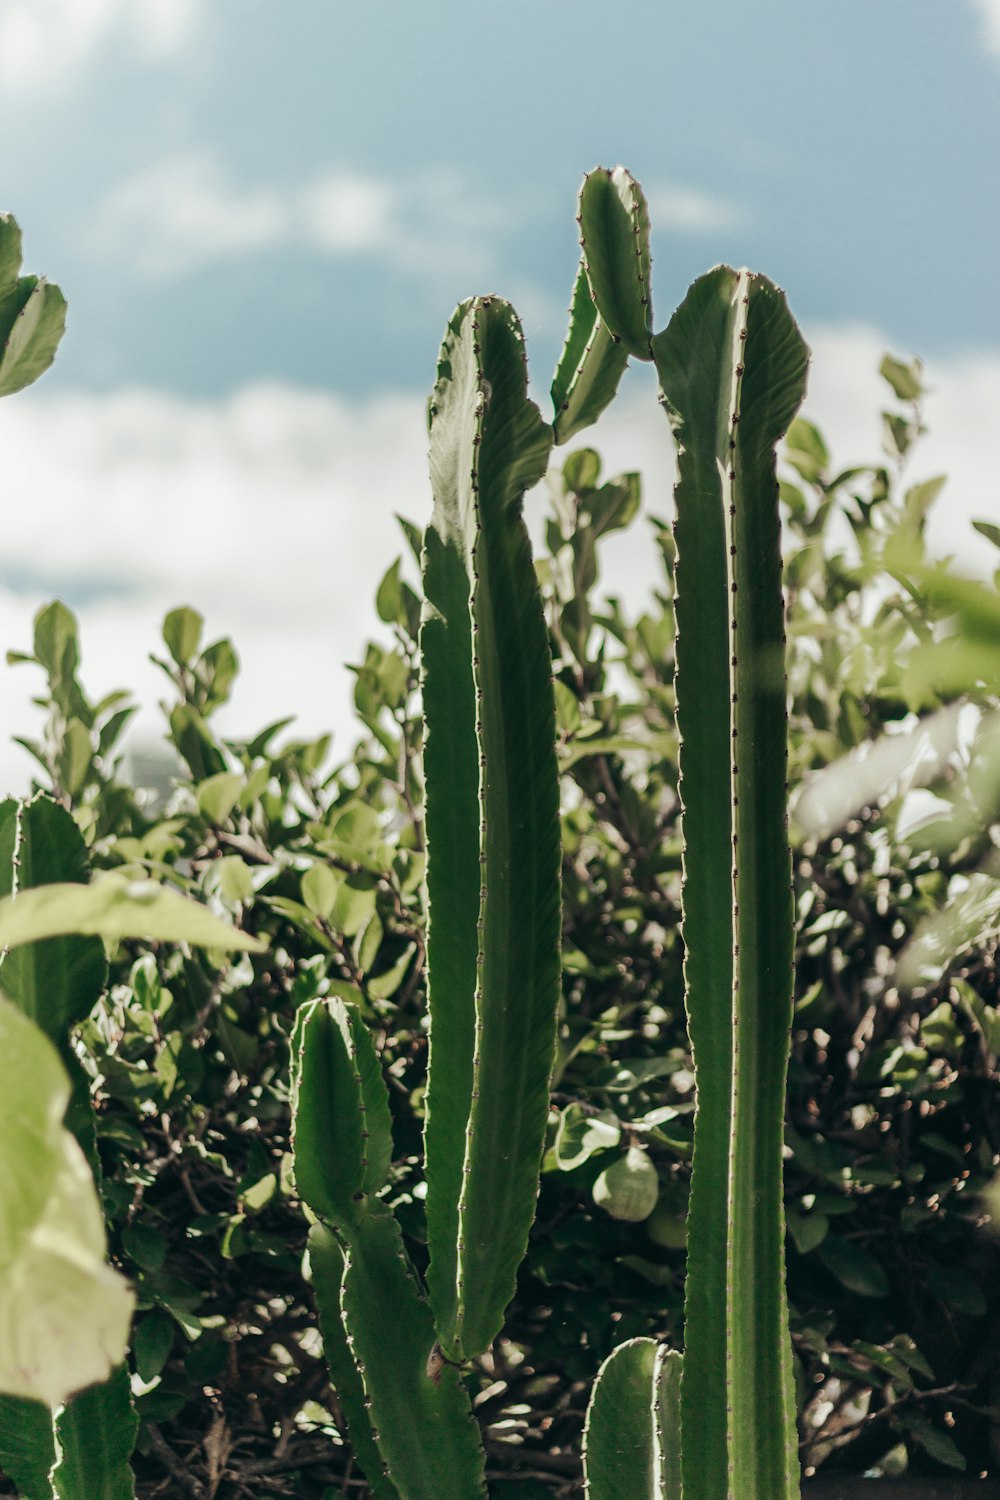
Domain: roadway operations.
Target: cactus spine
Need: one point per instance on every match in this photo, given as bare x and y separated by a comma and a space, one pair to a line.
732, 366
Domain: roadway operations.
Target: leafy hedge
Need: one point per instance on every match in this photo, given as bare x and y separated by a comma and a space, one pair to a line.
893, 1129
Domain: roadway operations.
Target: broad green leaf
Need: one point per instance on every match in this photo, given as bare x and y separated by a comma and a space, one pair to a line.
115, 908
580, 1134
218, 795
31, 343
853, 1266
182, 634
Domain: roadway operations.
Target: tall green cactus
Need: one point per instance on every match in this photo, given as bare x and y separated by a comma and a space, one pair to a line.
492, 821
732, 366
493, 882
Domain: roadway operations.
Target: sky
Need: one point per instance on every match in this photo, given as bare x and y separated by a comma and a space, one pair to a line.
262, 217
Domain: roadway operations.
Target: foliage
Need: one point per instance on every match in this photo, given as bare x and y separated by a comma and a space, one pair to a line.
892, 1131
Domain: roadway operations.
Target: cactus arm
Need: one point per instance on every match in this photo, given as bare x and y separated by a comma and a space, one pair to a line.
590, 367
95, 1434
667, 1422
732, 370
763, 1450
326, 1270
421, 1421
614, 237
341, 1128
619, 1457
699, 337
492, 1040
27, 1446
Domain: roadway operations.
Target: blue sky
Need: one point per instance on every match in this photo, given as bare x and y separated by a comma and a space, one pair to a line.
262, 216
376, 162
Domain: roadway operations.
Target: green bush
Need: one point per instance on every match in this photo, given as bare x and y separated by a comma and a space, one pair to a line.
892, 1123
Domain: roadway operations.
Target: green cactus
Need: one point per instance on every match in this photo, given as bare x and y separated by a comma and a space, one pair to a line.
631, 1440
32, 316
416, 1418
732, 367
590, 367
492, 819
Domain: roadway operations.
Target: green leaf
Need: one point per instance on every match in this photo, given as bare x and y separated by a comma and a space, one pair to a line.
113, 907
807, 1230
580, 1135
906, 380
960, 1290
614, 236
935, 1442
152, 1341
64, 1313
420, 1412
493, 937
218, 795
854, 1267
182, 634
31, 344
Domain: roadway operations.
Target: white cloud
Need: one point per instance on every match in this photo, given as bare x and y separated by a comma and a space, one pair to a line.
687, 210
989, 10
45, 42
184, 213
272, 513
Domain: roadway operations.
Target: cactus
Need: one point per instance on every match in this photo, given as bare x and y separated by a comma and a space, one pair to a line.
731, 365
492, 829
631, 1441
590, 366
420, 1419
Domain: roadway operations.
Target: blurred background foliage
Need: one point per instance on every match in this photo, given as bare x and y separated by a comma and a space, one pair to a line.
893, 1131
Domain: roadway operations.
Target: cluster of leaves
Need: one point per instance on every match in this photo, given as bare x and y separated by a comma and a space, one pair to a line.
893, 1133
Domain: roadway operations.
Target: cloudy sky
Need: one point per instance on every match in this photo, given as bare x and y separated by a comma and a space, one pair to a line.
262, 216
